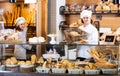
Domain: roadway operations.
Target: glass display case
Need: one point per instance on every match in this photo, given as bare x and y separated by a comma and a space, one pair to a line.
60, 59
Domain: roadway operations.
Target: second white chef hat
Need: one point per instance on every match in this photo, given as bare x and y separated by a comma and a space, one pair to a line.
86, 13
20, 20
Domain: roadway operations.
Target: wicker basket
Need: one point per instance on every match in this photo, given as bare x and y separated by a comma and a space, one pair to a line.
13, 68
26, 68
70, 38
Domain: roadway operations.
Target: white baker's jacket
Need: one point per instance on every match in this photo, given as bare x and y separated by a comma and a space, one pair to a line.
91, 39
20, 49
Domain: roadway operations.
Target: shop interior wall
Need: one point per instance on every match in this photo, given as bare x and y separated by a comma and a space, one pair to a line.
107, 21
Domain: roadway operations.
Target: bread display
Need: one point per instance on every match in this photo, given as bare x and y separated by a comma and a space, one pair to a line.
107, 7
98, 9
74, 35
101, 60
21, 62
9, 35
11, 61
49, 65
105, 64
90, 66
74, 7
40, 60
36, 40
74, 24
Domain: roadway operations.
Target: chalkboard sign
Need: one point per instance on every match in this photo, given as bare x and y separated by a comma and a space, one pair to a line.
109, 39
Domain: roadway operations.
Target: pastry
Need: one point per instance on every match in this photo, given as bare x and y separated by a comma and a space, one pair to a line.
114, 8
40, 60
21, 62
98, 9
33, 59
74, 33
28, 62
13, 60
106, 9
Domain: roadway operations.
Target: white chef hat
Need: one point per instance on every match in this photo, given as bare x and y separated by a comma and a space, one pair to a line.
86, 13
20, 20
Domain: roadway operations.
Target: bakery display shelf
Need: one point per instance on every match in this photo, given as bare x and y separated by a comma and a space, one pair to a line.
95, 12
45, 74
63, 11
11, 42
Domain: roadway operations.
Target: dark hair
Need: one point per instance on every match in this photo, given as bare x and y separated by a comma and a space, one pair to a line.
90, 21
18, 28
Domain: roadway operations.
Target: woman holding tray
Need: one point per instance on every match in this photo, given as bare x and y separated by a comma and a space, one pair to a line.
92, 37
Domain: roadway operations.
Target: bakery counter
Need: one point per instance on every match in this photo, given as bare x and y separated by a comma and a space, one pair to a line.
46, 74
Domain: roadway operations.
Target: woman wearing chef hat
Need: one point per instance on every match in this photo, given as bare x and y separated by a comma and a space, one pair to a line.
21, 29
92, 34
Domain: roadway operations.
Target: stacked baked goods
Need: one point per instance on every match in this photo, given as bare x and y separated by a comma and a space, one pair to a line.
9, 35
36, 40
12, 64
107, 7
28, 65
49, 65
103, 63
91, 69
75, 35
101, 60
98, 9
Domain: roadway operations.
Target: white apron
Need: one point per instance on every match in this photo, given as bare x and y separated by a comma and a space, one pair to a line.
20, 50
92, 39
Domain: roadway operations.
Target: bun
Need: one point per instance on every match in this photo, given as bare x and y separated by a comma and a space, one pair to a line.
33, 59
21, 63
28, 62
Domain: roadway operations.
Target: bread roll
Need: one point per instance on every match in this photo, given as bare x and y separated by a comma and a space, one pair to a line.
33, 59
98, 8
13, 60
28, 62
21, 63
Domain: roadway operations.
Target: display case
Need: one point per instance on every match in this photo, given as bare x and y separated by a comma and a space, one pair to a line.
61, 59
104, 61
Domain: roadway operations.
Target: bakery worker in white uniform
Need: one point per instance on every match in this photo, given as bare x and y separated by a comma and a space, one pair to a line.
92, 38
21, 29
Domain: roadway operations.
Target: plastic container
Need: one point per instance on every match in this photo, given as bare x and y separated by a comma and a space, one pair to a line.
109, 71
92, 71
75, 71
42, 70
58, 70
